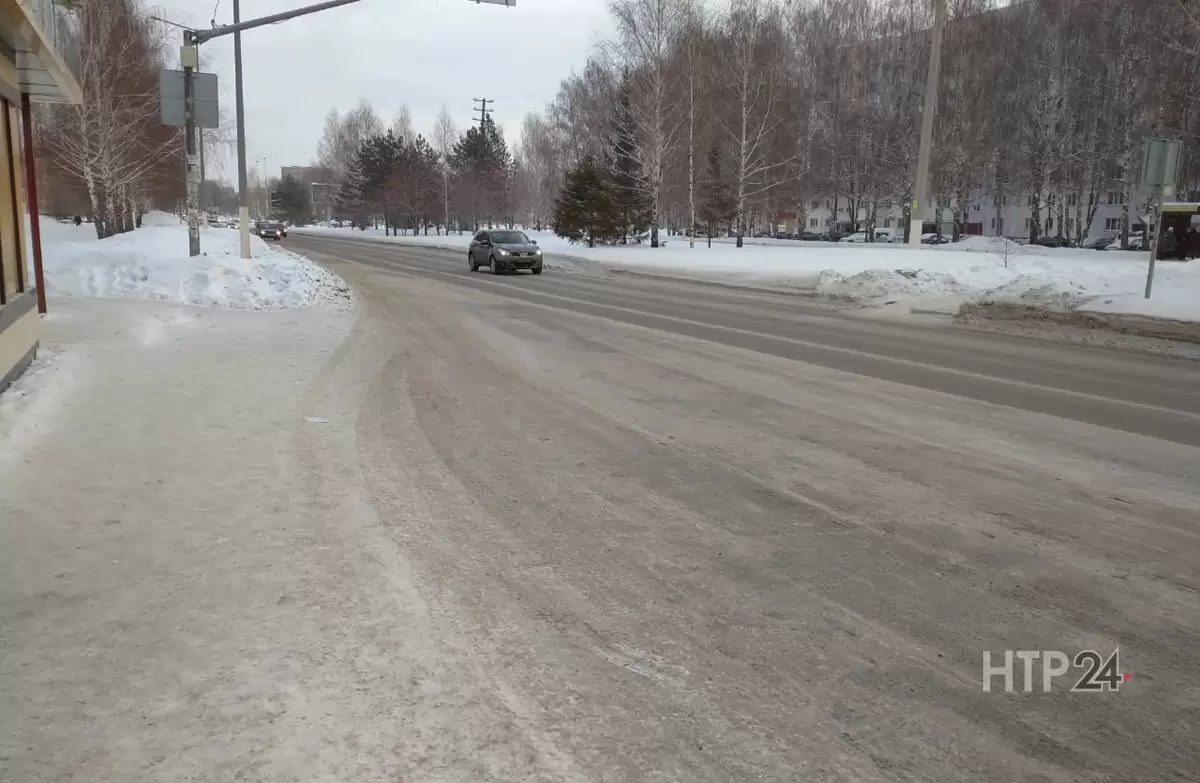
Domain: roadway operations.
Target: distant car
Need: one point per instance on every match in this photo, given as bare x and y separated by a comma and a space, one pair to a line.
1135, 242
857, 238
504, 251
935, 239
232, 224
271, 231
1053, 242
1097, 243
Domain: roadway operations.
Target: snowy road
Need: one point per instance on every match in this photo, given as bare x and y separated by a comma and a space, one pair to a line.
578, 528
697, 534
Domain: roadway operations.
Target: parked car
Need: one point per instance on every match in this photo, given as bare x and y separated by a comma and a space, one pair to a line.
935, 239
1053, 242
1135, 242
1097, 243
504, 251
270, 230
810, 236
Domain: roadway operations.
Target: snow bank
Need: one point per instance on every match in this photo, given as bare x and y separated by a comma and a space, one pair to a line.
153, 263
976, 269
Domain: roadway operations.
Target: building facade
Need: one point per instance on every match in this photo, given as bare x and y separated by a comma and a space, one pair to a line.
987, 215
39, 61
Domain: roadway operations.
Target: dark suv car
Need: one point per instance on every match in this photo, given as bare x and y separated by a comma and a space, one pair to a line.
268, 230
504, 251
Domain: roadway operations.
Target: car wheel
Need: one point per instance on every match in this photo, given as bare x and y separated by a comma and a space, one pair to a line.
471, 262
495, 270
537, 270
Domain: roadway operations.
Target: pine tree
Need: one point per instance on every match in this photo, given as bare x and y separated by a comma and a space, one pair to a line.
585, 209
482, 162
717, 203
625, 169
294, 200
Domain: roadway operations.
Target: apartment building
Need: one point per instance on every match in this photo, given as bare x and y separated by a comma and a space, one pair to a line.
987, 215
39, 61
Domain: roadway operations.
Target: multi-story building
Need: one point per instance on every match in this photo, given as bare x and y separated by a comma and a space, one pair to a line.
987, 215
39, 61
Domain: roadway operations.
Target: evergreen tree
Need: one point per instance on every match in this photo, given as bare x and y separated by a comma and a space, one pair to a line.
294, 200
717, 203
482, 162
625, 169
585, 209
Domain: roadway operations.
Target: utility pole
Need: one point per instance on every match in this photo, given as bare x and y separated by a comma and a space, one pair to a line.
921, 186
483, 110
189, 57
243, 194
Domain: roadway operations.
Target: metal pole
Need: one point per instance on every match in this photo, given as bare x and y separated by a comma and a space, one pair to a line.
921, 186
243, 188
190, 59
35, 228
1155, 209
217, 32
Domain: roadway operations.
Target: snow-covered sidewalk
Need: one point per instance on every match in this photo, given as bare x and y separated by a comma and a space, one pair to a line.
977, 269
192, 584
153, 263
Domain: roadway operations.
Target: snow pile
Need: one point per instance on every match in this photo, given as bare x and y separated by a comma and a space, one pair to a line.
153, 263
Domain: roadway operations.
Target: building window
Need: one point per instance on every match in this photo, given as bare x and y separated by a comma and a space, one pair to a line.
829, 221
887, 222
813, 222
993, 222
1115, 197
816, 203
974, 207
1070, 225
1049, 225
1072, 199
1004, 201
1112, 224
1027, 224
886, 203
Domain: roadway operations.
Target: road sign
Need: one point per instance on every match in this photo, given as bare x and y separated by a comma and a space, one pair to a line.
204, 87
1160, 163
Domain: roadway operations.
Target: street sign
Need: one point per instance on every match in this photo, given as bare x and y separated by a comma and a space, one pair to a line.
204, 88
1160, 163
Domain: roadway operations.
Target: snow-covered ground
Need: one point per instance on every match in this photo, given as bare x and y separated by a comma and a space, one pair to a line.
976, 269
153, 263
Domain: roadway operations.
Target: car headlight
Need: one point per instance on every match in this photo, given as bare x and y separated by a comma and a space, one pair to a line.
501, 251
537, 252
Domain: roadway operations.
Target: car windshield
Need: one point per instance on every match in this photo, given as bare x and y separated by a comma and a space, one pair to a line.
274, 226
509, 238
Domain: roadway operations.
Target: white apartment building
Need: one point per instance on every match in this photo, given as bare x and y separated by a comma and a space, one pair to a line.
988, 215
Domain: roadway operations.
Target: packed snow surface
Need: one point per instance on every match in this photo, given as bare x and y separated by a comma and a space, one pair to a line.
153, 263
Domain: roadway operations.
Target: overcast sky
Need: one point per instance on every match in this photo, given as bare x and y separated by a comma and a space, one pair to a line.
422, 53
